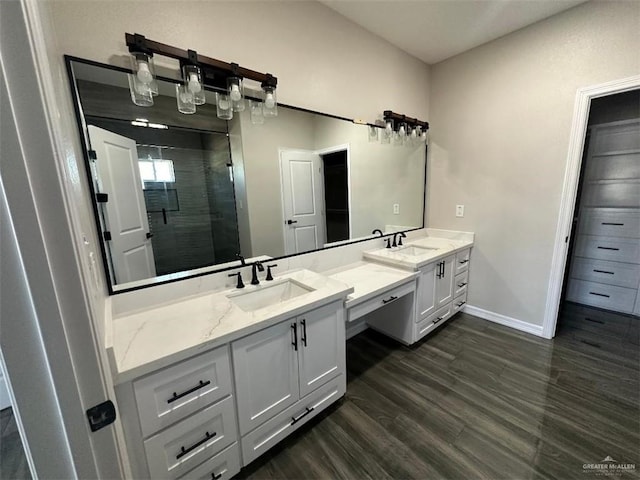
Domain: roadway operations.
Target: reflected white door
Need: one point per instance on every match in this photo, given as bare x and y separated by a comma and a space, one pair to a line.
125, 214
302, 201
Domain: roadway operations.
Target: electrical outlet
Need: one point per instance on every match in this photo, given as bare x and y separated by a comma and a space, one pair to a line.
396, 208
459, 210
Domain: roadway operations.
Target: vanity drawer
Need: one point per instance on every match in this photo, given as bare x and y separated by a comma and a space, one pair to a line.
258, 441
388, 297
615, 249
600, 295
610, 223
602, 271
460, 283
433, 321
221, 467
458, 303
174, 393
462, 261
179, 448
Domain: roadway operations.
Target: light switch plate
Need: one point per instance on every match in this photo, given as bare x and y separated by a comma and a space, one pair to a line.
396, 208
459, 210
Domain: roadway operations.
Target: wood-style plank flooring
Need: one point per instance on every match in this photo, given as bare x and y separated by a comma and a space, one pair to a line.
477, 400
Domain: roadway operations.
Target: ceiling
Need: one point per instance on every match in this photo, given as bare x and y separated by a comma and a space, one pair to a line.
434, 30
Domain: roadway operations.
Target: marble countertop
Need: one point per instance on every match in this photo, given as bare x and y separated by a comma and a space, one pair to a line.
436, 249
151, 339
370, 279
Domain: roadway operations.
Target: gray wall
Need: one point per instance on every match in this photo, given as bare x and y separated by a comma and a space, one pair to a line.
501, 118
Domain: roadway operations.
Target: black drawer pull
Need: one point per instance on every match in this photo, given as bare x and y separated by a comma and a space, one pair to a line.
184, 451
295, 337
600, 294
460, 304
303, 322
301, 416
216, 477
463, 261
608, 248
614, 224
177, 396
603, 271
390, 299
460, 285
438, 320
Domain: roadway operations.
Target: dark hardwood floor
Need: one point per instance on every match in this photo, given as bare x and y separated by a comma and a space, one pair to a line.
13, 462
478, 400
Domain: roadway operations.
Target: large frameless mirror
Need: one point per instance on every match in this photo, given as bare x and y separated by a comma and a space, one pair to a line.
182, 195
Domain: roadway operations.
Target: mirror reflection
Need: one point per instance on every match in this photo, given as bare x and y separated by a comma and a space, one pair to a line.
179, 194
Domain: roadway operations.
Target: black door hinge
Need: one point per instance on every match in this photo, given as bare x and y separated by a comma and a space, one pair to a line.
101, 415
102, 197
106, 235
92, 155
566, 239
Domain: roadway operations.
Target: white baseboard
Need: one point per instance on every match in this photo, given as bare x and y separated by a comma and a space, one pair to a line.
354, 328
504, 320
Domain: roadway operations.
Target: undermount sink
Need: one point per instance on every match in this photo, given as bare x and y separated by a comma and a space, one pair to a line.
414, 250
269, 294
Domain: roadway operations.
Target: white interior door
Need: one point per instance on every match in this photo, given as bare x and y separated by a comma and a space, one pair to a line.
125, 214
302, 201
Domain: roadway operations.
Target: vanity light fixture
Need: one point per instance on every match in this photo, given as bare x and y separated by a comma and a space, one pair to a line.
407, 129
198, 72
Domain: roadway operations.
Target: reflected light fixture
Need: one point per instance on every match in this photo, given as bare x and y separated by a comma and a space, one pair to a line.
199, 73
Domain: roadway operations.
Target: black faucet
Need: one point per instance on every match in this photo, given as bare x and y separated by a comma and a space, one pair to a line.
397, 238
257, 266
377, 230
239, 275
269, 276
241, 258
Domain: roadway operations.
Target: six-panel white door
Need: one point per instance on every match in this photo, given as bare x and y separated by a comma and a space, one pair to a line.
125, 213
266, 374
321, 350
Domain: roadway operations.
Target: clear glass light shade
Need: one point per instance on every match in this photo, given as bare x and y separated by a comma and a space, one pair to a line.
373, 133
255, 109
144, 73
193, 83
185, 100
141, 96
270, 101
224, 108
235, 90
387, 133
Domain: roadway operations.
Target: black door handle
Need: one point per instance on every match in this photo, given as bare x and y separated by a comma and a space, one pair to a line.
289, 222
295, 337
303, 322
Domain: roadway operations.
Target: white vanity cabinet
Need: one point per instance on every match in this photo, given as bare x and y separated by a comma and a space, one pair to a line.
442, 290
281, 374
181, 420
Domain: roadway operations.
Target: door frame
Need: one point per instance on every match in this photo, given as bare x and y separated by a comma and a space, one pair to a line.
570, 189
339, 148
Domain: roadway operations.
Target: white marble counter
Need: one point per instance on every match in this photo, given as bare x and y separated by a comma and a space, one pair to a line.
147, 340
370, 279
438, 244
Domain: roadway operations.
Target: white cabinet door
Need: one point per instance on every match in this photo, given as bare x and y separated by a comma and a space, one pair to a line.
444, 281
266, 374
427, 291
321, 350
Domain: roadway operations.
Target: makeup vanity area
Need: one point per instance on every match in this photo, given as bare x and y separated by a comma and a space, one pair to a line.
211, 372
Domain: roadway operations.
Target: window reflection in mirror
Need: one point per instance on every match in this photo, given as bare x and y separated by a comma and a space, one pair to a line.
188, 193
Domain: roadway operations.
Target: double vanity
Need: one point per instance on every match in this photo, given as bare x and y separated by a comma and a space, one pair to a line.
207, 383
